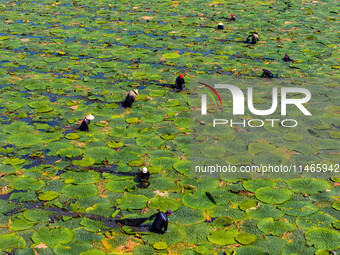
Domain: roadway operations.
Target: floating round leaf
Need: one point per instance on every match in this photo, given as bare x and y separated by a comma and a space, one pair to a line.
323, 238
85, 162
253, 185
132, 202
223, 237
182, 167
120, 186
278, 227
10, 242
318, 219
298, 208
160, 246
79, 191
308, 186
25, 183
47, 195
273, 196
164, 203
52, 237
188, 216
24, 140
246, 238
162, 183
20, 223
198, 200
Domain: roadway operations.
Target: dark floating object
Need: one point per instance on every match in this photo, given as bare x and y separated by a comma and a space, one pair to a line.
287, 58
84, 126
160, 225
144, 176
130, 98
267, 74
211, 198
132, 222
220, 26
179, 82
254, 38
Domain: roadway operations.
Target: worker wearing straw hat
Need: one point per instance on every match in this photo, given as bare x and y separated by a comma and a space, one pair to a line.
130, 98
84, 126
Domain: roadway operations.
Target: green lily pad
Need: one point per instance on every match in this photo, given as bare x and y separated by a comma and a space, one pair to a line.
164, 203
162, 183
256, 148
318, 219
160, 246
132, 120
171, 55
182, 167
36, 215
277, 227
298, 208
25, 183
293, 137
188, 216
223, 237
52, 59
323, 238
77, 247
20, 223
130, 201
264, 211
198, 200
24, 140
253, 185
120, 186
47, 195
80, 177
10, 242
85, 162
246, 238
308, 186
52, 237
152, 118
79, 191
272, 195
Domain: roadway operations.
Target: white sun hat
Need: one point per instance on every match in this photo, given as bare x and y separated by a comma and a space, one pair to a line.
90, 117
144, 170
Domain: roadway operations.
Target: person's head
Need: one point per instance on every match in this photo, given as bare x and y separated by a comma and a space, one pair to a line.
90, 117
220, 24
180, 76
286, 54
255, 32
232, 15
144, 170
168, 212
135, 91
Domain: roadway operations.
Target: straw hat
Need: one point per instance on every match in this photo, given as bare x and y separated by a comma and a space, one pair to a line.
221, 24
144, 170
136, 91
90, 117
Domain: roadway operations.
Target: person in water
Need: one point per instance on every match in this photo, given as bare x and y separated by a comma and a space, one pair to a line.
254, 38
160, 224
84, 126
179, 82
267, 74
130, 98
287, 58
220, 26
144, 176
233, 18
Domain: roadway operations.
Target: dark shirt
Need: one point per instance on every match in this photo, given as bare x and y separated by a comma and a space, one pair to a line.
160, 225
287, 58
221, 27
179, 83
144, 179
130, 98
84, 126
266, 73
